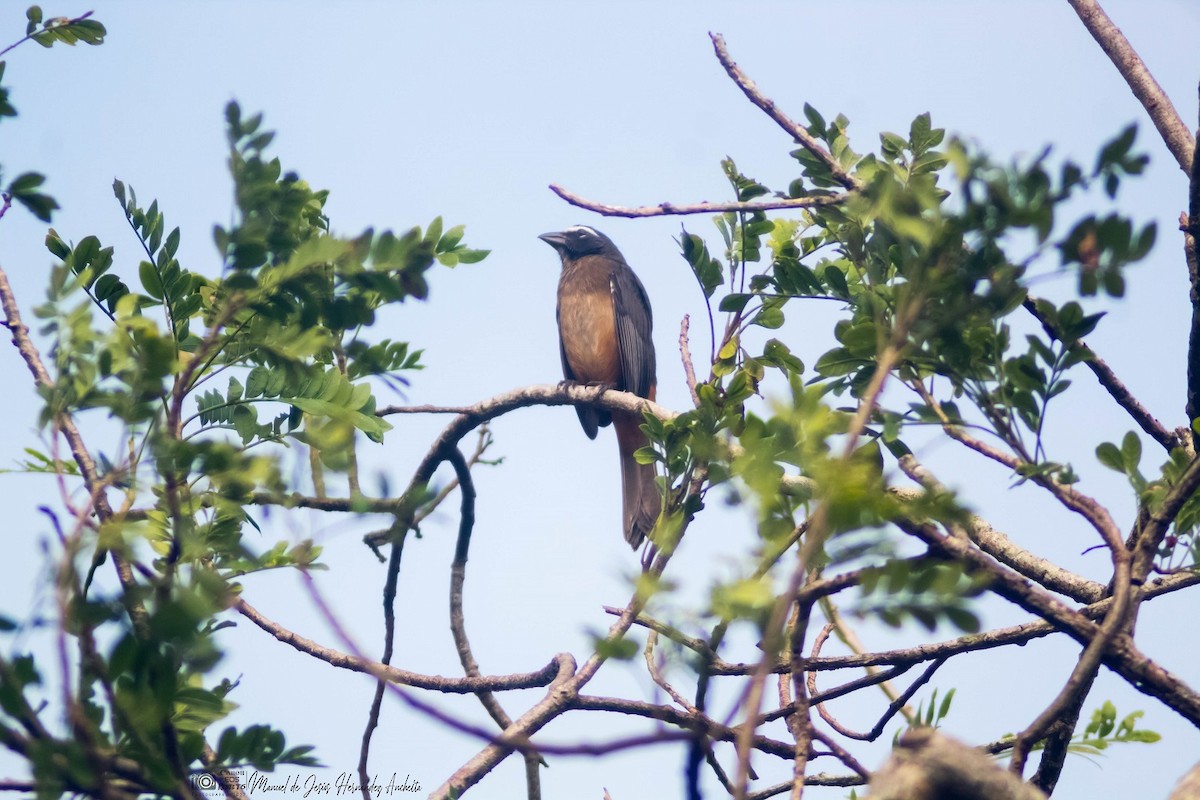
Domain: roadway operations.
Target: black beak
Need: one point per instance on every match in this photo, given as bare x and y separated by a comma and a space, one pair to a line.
556, 240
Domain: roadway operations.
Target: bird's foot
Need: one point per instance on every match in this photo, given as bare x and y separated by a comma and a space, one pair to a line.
649, 553
566, 384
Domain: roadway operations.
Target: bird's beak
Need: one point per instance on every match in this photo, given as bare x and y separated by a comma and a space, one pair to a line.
555, 240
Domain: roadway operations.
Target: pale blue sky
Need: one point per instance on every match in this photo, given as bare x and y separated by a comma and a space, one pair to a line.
468, 110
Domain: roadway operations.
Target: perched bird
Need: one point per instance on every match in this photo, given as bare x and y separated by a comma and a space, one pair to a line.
604, 325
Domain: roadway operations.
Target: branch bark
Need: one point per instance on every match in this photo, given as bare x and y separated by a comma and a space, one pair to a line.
402, 677
683, 209
1145, 88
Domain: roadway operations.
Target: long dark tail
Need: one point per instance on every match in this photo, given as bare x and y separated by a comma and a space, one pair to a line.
641, 500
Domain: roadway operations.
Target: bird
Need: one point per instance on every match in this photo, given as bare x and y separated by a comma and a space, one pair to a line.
604, 334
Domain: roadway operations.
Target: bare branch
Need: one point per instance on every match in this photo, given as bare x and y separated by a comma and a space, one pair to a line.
820, 779
1191, 235
799, 723
689, 370
893, 708
679, 210
1057, 742
355, 663
397, 534
565, 394
1158, 106
682, 719
797, 132
458, 627
840, 753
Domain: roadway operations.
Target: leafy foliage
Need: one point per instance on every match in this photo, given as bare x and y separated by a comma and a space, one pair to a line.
179, 358
1103, 730
921, 258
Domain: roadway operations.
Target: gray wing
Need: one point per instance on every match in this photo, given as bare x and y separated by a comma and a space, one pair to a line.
634, 321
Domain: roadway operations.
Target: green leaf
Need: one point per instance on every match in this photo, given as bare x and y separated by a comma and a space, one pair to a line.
151, 282
1108, 455
1131, 450
835, 279
735, 302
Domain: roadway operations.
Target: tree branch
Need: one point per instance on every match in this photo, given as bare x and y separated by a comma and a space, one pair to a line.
458, 627
679, 210
893, 708
1191, 235
397, 535
689, 370
1152, 97
797, 132
1001, 547
1111, 383
83, 458
402, 677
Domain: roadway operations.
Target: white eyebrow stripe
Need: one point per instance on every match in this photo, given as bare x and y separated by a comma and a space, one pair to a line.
583, 229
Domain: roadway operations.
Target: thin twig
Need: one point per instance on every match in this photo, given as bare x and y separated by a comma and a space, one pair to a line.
21, 41
399, 534
83, 458
797, 132
689, 370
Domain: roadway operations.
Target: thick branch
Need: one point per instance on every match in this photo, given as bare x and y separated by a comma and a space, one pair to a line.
1001, 547
1000, 637
1191, 253
566, 394
1120, 654
679, 210
1158, 106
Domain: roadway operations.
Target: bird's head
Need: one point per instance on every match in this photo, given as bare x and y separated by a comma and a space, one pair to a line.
580, 240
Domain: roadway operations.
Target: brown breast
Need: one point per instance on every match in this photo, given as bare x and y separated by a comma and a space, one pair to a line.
586, 323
